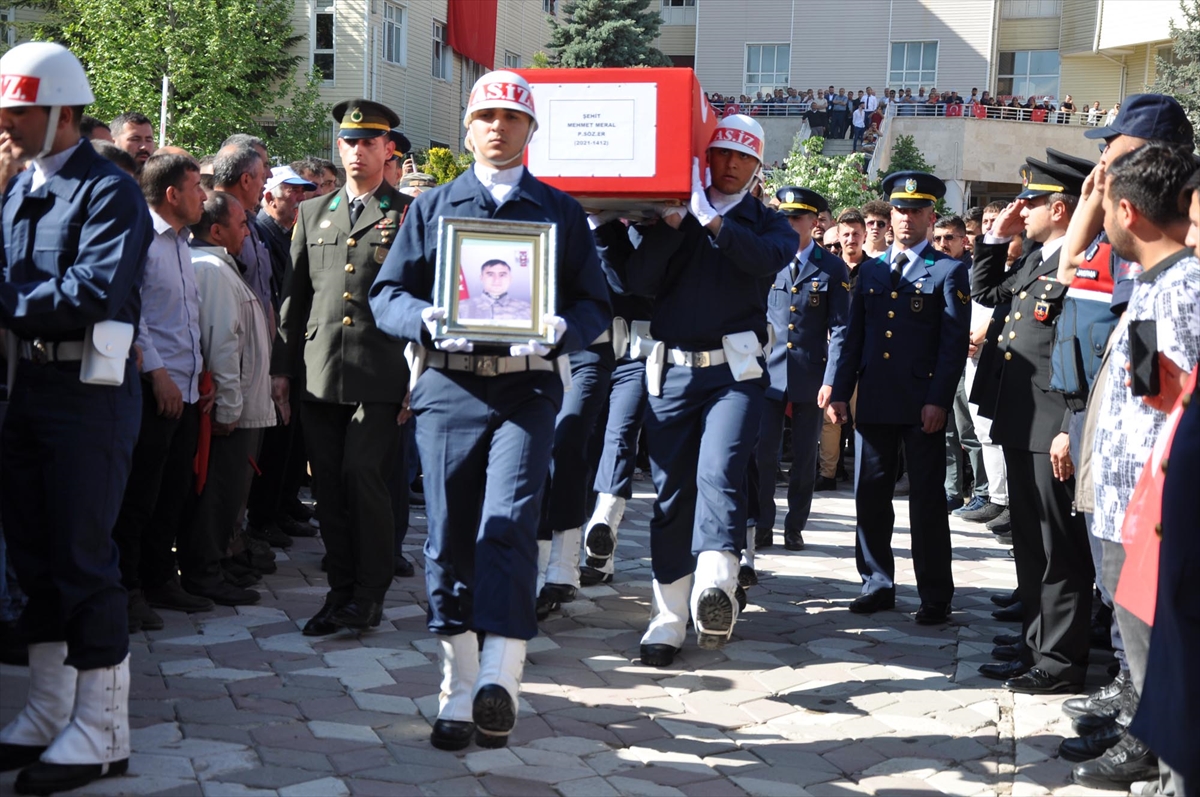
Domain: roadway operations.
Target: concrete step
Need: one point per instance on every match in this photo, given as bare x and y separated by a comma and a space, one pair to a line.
838, 146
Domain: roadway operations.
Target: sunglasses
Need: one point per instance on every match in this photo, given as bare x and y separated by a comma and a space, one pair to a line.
940, 238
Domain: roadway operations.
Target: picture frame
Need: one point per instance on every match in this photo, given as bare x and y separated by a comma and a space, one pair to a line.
496, 279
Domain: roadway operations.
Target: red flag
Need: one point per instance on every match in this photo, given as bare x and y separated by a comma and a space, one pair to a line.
463, 293
203, 444
471, 29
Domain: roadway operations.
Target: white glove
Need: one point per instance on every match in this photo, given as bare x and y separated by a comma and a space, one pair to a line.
534, 347
603, 217
454, 345
699, 205
672, 211
555, 327
430, 316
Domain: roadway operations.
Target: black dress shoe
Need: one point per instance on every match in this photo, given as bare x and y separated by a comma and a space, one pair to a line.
272, 534
1038, 682
42, 778
739, 594
296, 528
1126, 762
932, 613
1105, 702
600, 540
404, 568
552, 597
451, 734
658, 655
824, 484
1003, 671
223, 593
358, 615
874, 601
18, 756
321, 624
495, 714
1007, 639
1007, 652
1011, 614
172, 596
763, 539
1094, 745
1001, 524
1005, 600
591, 576
747, 577
1005, 538
793, 540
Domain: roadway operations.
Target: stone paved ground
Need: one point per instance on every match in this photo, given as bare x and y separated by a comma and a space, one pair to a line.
808, 699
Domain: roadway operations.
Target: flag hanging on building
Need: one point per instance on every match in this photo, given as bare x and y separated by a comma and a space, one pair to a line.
471, 30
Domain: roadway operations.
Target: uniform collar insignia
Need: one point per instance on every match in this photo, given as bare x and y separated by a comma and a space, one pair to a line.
337, 200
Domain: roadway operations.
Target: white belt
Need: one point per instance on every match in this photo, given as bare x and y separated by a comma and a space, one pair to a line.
486, 364
605, 337
47, 351
696, 359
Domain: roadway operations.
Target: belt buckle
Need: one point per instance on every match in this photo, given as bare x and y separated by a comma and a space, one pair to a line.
486, 365
700, 359
38, 352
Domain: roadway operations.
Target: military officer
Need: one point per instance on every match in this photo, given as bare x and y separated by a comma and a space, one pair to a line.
809, 306
485, 415
75, 233
1050, 545
906, 346
349, 377
709, 271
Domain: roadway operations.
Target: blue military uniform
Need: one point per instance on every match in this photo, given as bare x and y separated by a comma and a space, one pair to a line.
73, 253
809, 305
906, 347
485, 441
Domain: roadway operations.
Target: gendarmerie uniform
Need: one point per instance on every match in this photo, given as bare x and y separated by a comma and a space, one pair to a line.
349, 380
1050, 546
485, 428
906, 346
809, 305
709, 318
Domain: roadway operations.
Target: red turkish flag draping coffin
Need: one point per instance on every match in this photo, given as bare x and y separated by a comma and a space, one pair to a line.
619, 139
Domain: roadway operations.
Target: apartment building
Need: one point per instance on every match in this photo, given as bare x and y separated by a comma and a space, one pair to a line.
1091, 49
399, 52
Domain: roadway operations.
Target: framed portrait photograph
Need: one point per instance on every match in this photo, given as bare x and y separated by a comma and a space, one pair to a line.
495, 278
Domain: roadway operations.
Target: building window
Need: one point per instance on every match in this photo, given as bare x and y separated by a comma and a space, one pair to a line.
679, 12
1030, 9
913, 65
511, 60
550, 6
1031, 73
471, 72
394, 38
322, 39
442, 61
768, 67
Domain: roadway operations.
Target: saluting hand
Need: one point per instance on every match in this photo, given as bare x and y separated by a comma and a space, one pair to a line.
1009, 223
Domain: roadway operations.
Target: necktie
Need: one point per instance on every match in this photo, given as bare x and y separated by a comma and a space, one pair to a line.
356, 209
795, 268
898, 268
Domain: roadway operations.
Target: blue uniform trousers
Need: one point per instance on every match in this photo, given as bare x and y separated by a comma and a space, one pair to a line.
485, 445
66, 453
877, 452
627, 399
700, 434
806, 434
565, 504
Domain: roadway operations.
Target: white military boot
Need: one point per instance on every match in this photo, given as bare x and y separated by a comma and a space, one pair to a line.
460, 669
562, 572
95, 743
494, 704
601, 539
543, 562
47, 706
668, 621
714, 598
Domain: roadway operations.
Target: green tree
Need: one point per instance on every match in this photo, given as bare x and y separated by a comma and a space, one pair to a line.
1179, 76
606, 33
907, 157
445, 165
838, 178
229, 63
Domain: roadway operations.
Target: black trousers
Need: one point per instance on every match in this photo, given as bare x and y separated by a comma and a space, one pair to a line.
876, 463
267, 491
352, 448
152, 507
1054, 565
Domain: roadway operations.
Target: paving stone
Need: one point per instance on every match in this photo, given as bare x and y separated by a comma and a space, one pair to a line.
325, 787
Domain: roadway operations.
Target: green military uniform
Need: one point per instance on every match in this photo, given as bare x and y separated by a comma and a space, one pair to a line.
348, 378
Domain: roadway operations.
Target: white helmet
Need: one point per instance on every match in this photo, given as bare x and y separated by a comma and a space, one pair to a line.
42, 73
740, 133
501, 89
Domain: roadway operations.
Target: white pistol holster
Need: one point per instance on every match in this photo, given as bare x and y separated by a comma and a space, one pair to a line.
742, 351
105, 352
656, 368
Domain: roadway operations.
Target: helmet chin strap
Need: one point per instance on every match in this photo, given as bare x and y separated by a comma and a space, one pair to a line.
479, 156
51, 130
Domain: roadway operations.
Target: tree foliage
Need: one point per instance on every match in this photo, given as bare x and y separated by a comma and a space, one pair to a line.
606, 33
229, 64
907, 157
445, 165
1180, 76
838, 178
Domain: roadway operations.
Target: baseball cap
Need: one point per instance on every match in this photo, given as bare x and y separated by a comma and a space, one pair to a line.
284, 174
1154, 117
